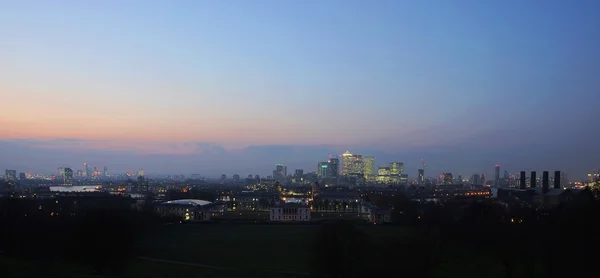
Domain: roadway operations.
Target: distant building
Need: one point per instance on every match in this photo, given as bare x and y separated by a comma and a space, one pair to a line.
476, 179
383, 175
421, 179
369, 167
299, 175
11, 175
223, 178
68, 176
447, 178
290, 212
22, 176
334, 164
396, 169
497, 175
323, 170
280, 172
141, 172
236, 178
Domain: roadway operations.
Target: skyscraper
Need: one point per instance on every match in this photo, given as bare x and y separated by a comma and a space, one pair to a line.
369, 165
236, 178
545, 182
223, 178
323, 170
421, 179
556, 179
347, 161
105, 172
523, 180
299, 175
533, 179
22, 176
141, 173
86, 172
396, 169
280, 172
447, 178
11, 175
334, 164
497, 176
68, 176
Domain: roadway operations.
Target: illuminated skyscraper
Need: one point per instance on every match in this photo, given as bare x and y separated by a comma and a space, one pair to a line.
105, 172
347, 162
369, 165
383, 175
11, 175
86, 171
140, 172
60, 173
68, 176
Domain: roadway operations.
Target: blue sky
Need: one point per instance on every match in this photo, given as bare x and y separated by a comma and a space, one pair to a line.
507, 79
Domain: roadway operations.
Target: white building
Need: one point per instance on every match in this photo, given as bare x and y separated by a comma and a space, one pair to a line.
289, 212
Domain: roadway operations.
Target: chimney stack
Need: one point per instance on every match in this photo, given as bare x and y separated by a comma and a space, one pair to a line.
533, 179
523, 180
556, 179
545, 182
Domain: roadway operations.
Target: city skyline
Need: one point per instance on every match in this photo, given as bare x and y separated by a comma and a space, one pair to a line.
234, 86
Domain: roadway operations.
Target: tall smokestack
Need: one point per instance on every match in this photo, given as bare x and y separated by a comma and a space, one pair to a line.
556, 179
545, 181
523, 180
533, 179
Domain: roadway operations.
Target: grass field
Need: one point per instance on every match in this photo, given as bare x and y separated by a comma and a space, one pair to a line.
246, 250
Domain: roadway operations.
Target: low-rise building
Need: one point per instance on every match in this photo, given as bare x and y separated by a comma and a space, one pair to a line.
290, 212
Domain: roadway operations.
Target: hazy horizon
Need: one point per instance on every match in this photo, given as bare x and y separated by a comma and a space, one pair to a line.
213, 87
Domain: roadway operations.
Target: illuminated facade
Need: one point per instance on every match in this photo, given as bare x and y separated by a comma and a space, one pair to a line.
383, 175
421, 178
396, 169
280, 172
323, 170
369, 167
347, 161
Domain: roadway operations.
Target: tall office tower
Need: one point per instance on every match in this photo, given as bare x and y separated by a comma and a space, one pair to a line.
347, 161
22, 176
105, 172
460, 180
140, 172
497, 176
68, 176
334, 164
421, 179
523, 180
447, 178
236, 178
556, 179
322, 170
299, 175
545, 182
257, 178
60, 172
223, 178
533, 181
396, 168
476, 179
11, 175
369, 167
482, 179
85, 170
383, 175
280, 172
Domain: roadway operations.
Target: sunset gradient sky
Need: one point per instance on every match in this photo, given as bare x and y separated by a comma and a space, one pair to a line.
511, 82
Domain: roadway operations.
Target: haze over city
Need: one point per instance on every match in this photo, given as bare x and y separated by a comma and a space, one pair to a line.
238, 86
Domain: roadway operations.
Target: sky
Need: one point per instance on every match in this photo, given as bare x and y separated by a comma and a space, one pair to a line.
214, 87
